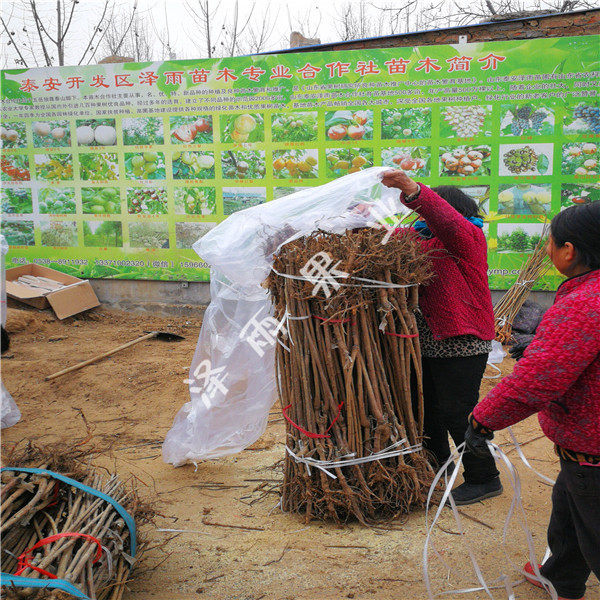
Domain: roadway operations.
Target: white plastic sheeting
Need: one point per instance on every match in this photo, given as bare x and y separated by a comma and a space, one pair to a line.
210, 426
9, 412
232, 384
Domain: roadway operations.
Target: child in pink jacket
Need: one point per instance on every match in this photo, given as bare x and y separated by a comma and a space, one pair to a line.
559, 378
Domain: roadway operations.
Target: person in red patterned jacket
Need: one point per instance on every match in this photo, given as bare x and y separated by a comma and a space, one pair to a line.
559, 378
455, 322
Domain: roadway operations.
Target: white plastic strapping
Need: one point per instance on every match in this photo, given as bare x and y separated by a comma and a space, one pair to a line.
348, 460
240, 251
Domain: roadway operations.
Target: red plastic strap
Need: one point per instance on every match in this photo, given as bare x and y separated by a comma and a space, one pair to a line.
309, 433
54, 496
402, 335
26, 556
333, 320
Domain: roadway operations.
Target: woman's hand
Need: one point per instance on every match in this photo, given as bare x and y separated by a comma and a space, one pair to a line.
399, 179
476, 437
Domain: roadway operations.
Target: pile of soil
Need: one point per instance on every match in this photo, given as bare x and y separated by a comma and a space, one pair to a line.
23, 320
236, 543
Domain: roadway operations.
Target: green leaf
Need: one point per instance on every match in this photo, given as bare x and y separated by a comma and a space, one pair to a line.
542, 164
337, 121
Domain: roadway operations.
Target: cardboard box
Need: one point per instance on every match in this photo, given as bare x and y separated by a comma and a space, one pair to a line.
77, 296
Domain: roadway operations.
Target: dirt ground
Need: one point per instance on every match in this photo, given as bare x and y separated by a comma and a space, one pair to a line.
131, 399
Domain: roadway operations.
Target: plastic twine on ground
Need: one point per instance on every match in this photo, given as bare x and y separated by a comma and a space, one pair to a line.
516, 504
516, 507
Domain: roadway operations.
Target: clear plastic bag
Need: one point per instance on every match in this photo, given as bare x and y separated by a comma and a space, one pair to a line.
496, 356
232, 382
9, 412
214, 425
242, 247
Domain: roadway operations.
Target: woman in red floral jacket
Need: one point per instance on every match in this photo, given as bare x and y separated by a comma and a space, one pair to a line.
455, 322
559, 378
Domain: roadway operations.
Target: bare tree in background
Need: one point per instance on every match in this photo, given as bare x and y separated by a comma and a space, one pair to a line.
306, 21
224, 30
128, 35
163, 35
415, 15
203, 17
260, 31
40, 35
234, 30
371, 19
420, 15
355, 21
486, 10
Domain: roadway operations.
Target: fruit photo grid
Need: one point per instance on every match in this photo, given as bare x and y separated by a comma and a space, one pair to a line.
104, 184
127, 169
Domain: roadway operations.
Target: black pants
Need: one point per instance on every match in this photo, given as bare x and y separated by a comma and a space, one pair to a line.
451, 391
574, 530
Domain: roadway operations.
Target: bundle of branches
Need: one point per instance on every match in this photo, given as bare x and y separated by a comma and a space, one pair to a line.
510, 304
349, 373
75, 535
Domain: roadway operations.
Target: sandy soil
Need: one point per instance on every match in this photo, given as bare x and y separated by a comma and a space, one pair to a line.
131, 399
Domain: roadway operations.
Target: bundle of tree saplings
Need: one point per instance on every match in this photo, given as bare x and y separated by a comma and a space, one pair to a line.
349, 374
511, 303
52, 530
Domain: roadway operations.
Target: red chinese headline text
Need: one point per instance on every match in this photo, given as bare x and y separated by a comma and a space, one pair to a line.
333, 70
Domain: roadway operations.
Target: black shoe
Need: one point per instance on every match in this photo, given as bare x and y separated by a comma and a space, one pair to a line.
469, 493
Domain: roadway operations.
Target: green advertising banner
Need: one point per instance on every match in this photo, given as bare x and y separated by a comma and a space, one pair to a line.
115, 170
